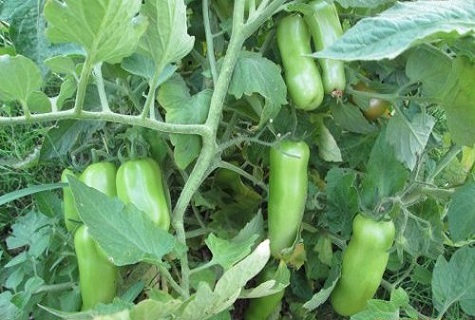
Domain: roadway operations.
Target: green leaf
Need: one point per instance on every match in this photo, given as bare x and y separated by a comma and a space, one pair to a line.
145, 67
49, 204
321, 296
228, 252
459, 101
108, 30
125, 233
378, 309
7, 309
17, 194
207, 303
424, 231
61, 138
400, 27
61, 64
362, 3
430, 66
166, 39
34, 231
350, 118
66, 91
409, 136
153, 309
27, 31
117, 310
342, 200
454, 281
385, 175
183, 108
255, 74
461, 213
38, 102
328, 149
19, 76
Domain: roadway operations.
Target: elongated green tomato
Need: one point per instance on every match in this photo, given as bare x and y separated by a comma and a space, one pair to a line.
101, 176
304, 83
263, 307
71, 217
364, 262
325, 27
287, 193
140, 182
97, 275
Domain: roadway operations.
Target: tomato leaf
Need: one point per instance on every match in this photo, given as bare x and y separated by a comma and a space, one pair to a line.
429, 66
328, 149
362, 3
166, 39
107, 30
423, 236
8, 310
19, 76
461, 213
255, 74
454, 281
409, 136
227, 252
206, 302
183, 108
400, 27
350, 118
459, 101
385, 175
321, 296
125, 233
342, 199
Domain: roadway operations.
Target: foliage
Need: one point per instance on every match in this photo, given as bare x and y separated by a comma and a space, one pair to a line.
200, 89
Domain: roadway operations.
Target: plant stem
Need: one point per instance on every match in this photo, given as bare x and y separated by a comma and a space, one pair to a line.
82, 85
444, 162
208, 150
197, 129
56, 287
227, 165
100, 87
153, 84
209, 42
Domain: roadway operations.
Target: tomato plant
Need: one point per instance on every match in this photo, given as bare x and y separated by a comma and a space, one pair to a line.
334, 139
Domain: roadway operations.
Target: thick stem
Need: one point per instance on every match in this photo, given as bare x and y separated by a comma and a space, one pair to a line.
208, 150
82, 85
101, 88
197, 129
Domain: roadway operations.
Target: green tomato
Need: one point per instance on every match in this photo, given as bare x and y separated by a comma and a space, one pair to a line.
325, 27
363, 266
140, 182
97, 274
288, 184
71, 216
304, 83
101, 176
